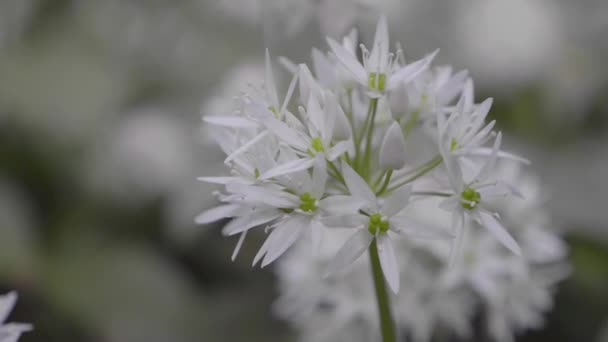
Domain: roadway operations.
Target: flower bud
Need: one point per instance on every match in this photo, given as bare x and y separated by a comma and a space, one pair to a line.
342, 129
392, 151
399, 102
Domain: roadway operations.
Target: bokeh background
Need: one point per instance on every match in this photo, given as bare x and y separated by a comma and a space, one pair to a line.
101, 141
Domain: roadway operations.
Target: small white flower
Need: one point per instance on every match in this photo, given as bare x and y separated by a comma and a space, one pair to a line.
379, 72
469, 197
377, 218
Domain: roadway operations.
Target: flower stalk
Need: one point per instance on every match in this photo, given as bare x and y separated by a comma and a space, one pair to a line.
387, 323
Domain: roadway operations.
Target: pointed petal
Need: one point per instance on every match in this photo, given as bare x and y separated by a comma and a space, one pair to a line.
246, 147
459, 231
289, 167
349, 61
352, 249
290, 90
337, 150
229, 121
224, 180
351, 221
415, 229
239, 244
451, 203
319, 176
488, 167
341, 204
388, 261
218, 213
246, 222
316, 230
378, 58
257, 195
7, 302
285, 133
410, 71
357, 186
492, 225
269, 85
398, 200
486, 152
285, 235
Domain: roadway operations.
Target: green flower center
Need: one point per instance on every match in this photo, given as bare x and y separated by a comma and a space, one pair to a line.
317, 145
454, 145
378, 224
377, 81
470, 198
308, 203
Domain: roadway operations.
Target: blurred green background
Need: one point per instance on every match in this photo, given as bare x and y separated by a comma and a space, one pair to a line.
101, 142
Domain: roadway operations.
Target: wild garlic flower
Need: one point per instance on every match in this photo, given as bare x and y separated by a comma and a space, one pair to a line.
331, 154
10, 332
512, 291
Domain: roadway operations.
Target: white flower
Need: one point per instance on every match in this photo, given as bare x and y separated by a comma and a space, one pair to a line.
469, 197
307, 142
377, 218
379, 72
10, 332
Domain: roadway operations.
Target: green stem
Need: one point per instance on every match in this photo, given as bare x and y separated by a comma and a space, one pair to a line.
387, 325
387, 180
423, 171
373, 109
337, 172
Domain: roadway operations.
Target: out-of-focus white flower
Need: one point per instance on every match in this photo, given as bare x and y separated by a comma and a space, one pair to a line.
10, 332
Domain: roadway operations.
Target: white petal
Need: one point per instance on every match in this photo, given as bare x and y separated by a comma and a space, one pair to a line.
491, 224
316, 114
341, 204
224, 180
285, 133
257, 194
337, 150
486, 152
388, 261
218, 213
349, 61
7, 302
269, 85
319, 176
290, 90
357, 186
398, 200
316, 230
246, 222
351, 221
451, 203
415, 229
378, 58
499, 189
287, 168
459, 231
356, 245
490, 164
285, 235
392, 150
239, 244
410, 71
246, 147
230, 121
324, 70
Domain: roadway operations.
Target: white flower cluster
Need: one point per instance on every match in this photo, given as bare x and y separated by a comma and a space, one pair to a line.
378, 151
10, 332
509, 292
